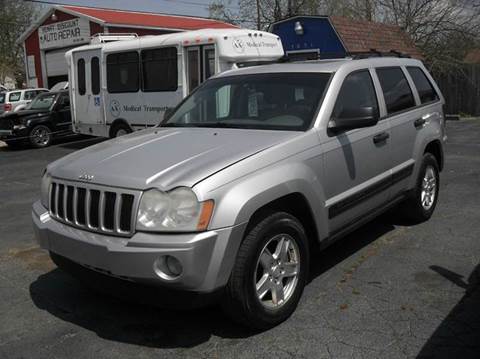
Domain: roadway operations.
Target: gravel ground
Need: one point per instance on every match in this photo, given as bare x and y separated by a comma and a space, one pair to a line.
388, 290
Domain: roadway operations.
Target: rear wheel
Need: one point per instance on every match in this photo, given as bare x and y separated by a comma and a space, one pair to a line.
423, 199
120, 129
270, 272
40, 136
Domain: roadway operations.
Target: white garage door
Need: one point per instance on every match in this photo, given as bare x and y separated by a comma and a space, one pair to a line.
56, 63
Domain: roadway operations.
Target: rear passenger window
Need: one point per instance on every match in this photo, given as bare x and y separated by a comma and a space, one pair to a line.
357, 97
81, 77
14, 96
396, 91
424, 87
160, 71
123, 72
95, 76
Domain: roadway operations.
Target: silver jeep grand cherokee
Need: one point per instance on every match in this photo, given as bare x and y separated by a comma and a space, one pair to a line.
230, 192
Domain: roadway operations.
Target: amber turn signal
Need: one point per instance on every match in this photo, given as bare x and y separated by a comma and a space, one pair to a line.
205, 215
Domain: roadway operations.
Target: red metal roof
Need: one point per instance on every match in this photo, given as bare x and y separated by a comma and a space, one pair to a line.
131, 18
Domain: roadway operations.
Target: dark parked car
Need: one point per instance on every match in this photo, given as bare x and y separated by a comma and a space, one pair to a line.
48, 115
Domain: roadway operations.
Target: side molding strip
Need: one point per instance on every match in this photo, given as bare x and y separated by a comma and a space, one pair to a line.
372, 190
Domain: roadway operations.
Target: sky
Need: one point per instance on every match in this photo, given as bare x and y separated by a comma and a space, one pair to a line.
181, 7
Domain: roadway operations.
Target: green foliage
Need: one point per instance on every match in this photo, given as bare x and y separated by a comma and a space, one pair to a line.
15, 17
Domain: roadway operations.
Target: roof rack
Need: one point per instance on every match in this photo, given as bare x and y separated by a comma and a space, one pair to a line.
357, 55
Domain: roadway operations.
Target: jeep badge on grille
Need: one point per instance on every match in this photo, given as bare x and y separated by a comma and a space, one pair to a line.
85, 177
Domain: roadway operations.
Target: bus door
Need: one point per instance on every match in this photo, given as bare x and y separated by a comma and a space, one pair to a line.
86, 90
200, 65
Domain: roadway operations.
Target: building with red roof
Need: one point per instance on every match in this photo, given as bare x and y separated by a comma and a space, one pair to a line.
64, 27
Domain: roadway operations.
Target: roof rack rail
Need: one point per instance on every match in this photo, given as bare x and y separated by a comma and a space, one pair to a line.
357, 55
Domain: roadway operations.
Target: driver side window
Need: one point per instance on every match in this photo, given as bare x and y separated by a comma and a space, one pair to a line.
357, 97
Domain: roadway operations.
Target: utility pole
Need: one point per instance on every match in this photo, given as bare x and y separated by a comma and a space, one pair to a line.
259, 25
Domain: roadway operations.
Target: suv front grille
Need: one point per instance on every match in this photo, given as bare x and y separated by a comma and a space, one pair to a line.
95, 208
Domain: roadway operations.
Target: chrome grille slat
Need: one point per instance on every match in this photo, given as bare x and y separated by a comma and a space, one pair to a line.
101, 211
121, 205
117, 212
56, 199
75, 203
64, 202
87, 208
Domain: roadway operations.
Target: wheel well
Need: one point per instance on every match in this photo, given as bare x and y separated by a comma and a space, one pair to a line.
117, 123
435, 148
295, 204
44, 123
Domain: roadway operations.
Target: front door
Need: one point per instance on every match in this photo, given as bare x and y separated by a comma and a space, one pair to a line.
86, 90
357, 162
63, 117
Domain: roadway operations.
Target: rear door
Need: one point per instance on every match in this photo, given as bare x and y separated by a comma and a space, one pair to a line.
87, 88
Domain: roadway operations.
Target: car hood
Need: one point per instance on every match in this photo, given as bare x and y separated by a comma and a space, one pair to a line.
24, 114
165, 157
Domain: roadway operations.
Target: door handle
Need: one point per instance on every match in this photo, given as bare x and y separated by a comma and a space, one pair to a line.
381, 137
419, 122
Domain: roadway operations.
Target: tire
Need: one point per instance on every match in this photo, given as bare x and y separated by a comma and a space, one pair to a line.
422, 200
120, 129
241, 301
40, 136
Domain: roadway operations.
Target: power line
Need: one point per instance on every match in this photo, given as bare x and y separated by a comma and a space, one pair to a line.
47, 2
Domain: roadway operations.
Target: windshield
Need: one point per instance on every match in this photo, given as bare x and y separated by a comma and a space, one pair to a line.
2, 97
42, 102
274, 101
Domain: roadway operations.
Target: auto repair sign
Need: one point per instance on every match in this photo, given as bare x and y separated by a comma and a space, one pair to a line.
64, 33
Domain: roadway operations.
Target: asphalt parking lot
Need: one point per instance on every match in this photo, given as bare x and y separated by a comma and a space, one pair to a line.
389, 290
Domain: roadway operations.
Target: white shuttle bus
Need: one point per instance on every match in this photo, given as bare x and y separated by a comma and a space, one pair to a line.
122, 86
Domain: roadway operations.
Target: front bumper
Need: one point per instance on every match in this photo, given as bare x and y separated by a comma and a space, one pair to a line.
207, 258
14, 134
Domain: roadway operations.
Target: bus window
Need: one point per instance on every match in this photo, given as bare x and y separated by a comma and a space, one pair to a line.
160, 72
95, 72
81, 77
193, 68
209, 61
123, 72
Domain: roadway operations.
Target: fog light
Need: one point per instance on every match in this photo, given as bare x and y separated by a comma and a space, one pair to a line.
174, 266
168, 267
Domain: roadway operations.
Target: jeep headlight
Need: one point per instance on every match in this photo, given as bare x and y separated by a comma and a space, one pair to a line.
45, 188
177, 210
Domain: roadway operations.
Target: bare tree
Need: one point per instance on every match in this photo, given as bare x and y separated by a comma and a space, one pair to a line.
443, 29
15, 17
261, 13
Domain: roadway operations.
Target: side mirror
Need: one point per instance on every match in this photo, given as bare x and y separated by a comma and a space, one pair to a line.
351, 118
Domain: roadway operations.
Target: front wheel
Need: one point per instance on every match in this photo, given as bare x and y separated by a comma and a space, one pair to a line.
40, 136
423, 199
270, 272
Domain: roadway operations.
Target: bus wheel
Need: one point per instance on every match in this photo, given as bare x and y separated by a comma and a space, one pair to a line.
120, 129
